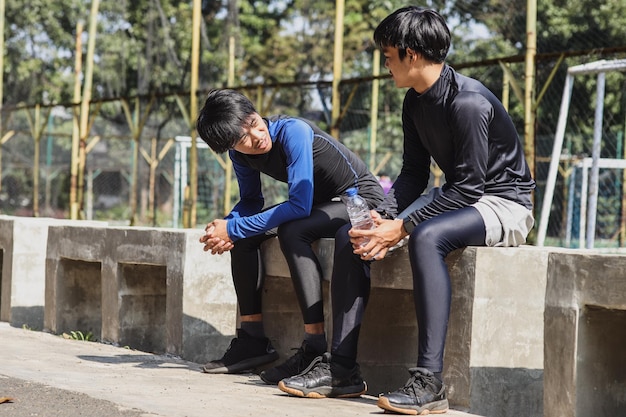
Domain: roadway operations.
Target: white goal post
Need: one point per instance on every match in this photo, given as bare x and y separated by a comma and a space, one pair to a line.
600, 68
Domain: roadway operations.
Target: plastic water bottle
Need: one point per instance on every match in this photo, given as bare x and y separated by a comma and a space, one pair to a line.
358, 211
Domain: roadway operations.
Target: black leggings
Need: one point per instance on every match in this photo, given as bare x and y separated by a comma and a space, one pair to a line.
296, 238
429, 244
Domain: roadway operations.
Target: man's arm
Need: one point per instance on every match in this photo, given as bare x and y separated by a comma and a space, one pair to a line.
296, 137
415, 171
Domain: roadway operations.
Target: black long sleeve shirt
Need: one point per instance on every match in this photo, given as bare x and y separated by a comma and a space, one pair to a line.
466, 130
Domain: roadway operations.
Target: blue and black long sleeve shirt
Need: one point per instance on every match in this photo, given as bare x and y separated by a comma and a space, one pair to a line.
315, 166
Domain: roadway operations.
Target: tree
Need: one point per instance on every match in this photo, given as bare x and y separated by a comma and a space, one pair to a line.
39, 40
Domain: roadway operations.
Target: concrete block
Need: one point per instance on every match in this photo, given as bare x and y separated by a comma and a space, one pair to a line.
494, 347
209, 302
585, 343
73, 279
493, 363
281, 314
150, 289
156, 290
282, 317
23, 242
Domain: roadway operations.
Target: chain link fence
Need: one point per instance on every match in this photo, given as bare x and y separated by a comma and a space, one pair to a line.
139, 174
587, 116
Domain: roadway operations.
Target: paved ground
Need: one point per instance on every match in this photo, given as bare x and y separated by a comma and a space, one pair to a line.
48, 376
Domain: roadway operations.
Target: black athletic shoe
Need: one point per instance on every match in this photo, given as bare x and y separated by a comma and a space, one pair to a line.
292, 366
244, 353
325, 379
422, 394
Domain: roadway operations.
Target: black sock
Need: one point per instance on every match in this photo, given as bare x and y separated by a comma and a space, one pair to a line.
317, 342
253, 328
438, 376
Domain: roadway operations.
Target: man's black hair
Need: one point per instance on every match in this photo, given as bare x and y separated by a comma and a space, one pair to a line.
222, 119
422, 30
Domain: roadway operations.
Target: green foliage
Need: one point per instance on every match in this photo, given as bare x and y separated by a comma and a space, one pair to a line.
143, 47
38, 42
562, 25
79, 335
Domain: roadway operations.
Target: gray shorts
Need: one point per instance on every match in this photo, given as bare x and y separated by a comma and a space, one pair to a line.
506, 223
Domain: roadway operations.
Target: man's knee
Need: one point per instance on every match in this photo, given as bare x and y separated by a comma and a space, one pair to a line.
424, 235
289, 232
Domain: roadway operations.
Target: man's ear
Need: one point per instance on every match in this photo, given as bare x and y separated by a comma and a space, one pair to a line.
411, 54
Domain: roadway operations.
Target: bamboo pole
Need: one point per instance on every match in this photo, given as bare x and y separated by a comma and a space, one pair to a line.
37, 128
228, 165
136, 132
37, 139
153, 159
78, 59
622, 227
231, 60
86, 100
337, 67
374, 108
154, 163
2, 10
506, 88
193, 114
529, 96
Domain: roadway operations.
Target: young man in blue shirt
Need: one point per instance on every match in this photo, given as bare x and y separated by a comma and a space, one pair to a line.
457, 122
317, 169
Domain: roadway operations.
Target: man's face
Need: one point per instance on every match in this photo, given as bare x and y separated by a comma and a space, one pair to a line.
399, 69
255, 138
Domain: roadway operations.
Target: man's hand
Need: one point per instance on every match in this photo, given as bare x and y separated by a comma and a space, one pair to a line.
385, 235
216, 237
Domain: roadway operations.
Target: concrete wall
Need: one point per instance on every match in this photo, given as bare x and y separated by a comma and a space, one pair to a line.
156, 290
495, 334
149, 289
585, 337
23, 242
493, 363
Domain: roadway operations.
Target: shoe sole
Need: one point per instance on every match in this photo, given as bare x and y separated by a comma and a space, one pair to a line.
324, 392
436, 407
242, 366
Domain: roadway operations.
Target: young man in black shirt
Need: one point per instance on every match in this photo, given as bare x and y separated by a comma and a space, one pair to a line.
486, 201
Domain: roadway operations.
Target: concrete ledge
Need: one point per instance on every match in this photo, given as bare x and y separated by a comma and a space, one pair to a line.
585, 342
23, 242
494, 350
151, 289
156, 290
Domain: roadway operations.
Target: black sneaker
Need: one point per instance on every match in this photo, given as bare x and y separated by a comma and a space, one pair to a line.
422, 394
325, 379
244, 353
292, 366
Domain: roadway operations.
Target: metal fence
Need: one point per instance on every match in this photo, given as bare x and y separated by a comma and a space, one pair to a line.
36, 148
592, 116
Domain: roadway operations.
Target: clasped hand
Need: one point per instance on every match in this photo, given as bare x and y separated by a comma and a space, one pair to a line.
216, 237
